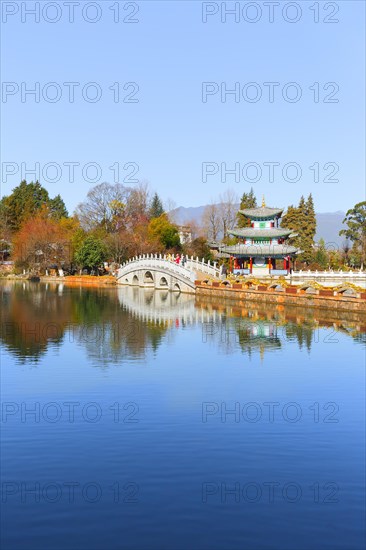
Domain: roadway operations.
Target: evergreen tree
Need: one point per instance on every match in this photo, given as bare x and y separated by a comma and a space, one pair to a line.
356, 221
248, 200
57, 208
302, 221
156, 207
309, 230
291, 220
303, 241
310, 217
25, 200
302, 208
321, 256
91, 253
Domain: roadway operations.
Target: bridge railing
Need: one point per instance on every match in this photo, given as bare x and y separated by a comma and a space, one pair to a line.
159, 261
195, 264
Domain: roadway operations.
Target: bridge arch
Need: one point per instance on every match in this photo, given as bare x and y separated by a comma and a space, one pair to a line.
155, 271
163, 282
148, 277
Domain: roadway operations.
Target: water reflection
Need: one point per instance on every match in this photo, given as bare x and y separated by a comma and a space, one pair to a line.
115, 325
268, 327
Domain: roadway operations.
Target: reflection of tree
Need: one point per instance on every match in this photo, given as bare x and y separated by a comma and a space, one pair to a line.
156, 334
37, 315
303, 334
268, 327
32, 318
118, 325
359, 338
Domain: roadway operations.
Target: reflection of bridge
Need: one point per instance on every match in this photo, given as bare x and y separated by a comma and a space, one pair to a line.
156, 271
164, 306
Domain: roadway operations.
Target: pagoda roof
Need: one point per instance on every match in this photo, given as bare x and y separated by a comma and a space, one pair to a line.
262, 212
253, 232
256, 250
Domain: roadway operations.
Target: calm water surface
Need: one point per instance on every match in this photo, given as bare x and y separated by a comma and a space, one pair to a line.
141, 420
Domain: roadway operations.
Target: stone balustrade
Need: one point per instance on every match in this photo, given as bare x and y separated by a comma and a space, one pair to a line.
329, 274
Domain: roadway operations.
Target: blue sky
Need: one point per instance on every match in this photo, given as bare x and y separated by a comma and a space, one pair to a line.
167, 135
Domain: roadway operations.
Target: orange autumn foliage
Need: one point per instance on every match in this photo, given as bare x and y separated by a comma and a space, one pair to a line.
41, 242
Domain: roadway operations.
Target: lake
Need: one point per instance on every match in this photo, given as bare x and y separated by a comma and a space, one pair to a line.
134, 419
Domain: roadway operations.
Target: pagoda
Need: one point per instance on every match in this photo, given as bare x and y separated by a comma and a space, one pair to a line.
263, 248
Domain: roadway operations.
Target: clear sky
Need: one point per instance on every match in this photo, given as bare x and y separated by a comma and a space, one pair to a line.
175, 123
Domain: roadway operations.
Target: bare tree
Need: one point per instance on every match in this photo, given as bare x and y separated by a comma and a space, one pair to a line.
228, 207
211, 221
170, 208
194, 228
101, 205
120, 246
138, 203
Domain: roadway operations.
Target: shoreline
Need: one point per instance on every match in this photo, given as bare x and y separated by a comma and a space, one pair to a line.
238, 293
88, 280
290, 296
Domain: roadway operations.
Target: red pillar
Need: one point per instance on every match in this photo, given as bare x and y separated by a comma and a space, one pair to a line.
250, 265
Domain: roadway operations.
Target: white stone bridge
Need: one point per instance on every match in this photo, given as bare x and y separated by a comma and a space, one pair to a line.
156, 271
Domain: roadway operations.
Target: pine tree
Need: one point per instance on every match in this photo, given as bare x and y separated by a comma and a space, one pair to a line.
302, 221
310, 217
23, 203
308, 229
57, 208
248, 200
321, 256
290, 220
156, 207
26, 201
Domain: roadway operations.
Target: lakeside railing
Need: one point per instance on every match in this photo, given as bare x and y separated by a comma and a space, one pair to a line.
330, 274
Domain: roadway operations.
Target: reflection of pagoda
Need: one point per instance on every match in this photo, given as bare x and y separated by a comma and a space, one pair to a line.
259, 335
263, 245
252, 335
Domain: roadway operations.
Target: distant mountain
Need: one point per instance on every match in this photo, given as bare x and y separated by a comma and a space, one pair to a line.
328, 226
184, 214
328, 223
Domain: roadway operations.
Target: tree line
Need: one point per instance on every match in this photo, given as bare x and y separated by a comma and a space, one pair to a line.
112, 224
116, 222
